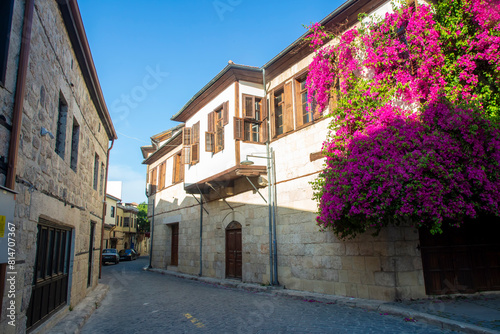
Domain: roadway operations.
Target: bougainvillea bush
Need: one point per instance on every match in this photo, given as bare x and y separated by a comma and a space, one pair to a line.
414, 135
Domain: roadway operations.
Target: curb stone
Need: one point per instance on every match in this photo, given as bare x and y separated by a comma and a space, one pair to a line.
75, 319
372, 305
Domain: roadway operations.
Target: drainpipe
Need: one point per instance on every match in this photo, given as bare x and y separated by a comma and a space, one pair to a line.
17, 114
152, 230
104, 205
275, 244
269, 193
201, 231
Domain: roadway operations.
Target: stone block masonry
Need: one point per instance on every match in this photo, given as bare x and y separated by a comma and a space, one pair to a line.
54, 186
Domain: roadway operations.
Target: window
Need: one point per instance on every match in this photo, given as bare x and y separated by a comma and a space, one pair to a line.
74, 144
178, 174
253, 127
112, 211
121, 221
61, 127
6, 9
96, 171
101, 187
217, 119
191, 142
304, 112
126, 222
281, 105
278, 103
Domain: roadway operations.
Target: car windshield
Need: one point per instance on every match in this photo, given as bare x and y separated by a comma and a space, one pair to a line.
109, 250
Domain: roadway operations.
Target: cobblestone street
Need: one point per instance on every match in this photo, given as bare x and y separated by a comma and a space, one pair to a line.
145, 302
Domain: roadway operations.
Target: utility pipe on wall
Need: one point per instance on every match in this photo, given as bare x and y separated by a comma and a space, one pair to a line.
17, 114
269, 187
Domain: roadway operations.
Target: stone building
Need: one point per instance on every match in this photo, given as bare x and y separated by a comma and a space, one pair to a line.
128, 225
229, 193
56, 133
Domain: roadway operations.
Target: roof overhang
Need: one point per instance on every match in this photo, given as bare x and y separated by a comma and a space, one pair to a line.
76, 32
171, 144
230, 74
345, 14
224, 179
113, 197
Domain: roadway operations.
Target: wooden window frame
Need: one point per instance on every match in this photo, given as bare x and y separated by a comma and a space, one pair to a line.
214, 136
274, 116
191, 144
96, 172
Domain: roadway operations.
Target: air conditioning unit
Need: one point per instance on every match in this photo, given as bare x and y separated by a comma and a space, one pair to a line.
150, 189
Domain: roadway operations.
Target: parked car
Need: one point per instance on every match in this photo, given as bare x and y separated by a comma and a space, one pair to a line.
128, 254
110, 255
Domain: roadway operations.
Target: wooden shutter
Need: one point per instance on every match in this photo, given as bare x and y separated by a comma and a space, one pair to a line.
239, 128
195, 131
288, 110
249, 108
186, 151
209, 141
195, 153
299, 119
263, 108
225, 113
263, 131
181, 166
186, 136
332, 102
211, 121
220, 138
272, 115
162, 176
176, 169
155, 176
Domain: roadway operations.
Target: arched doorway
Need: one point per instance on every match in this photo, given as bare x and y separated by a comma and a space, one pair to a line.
233, 250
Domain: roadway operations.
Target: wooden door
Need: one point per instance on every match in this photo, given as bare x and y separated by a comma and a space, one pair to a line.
174, 257
233, 250
462, 260
91, 254
50, 279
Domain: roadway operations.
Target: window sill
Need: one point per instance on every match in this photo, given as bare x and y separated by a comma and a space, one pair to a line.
303, 126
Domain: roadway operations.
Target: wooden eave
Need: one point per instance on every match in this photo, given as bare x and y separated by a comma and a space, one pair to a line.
347, 13
231, 73
78, 38
171, 144
224, 178
146, 150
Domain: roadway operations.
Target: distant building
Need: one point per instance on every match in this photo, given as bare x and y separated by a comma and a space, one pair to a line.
126, 228
55, 133
109, 238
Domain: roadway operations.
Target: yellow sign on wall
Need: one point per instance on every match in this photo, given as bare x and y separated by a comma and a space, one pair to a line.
2, 226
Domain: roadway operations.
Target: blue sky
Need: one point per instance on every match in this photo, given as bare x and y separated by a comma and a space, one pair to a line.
152, 56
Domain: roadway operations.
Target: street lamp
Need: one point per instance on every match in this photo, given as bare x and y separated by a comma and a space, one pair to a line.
271, 172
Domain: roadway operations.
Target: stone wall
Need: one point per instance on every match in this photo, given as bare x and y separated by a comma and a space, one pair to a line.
47, 186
